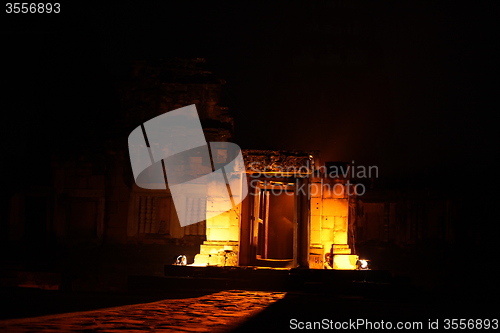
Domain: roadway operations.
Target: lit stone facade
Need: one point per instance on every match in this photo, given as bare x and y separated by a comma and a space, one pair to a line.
309, 212
329, 224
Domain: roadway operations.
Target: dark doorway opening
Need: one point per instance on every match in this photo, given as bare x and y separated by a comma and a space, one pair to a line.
275, 212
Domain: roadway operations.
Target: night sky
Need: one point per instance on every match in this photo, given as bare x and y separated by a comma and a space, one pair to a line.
404, 85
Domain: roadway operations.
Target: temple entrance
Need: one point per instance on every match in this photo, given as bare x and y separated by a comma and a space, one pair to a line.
274, 212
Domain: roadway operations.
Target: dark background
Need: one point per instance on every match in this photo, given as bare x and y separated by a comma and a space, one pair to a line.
407, 86
404, 85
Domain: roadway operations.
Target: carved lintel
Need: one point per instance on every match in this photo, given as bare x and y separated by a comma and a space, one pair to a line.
278, 161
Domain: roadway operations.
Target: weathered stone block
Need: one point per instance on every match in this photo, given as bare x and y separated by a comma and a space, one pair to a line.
316, 206
315, 237
315, 222
326, 235
335, 207
344, 261
327, 222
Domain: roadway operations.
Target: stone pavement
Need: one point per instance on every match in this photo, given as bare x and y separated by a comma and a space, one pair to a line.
218, 312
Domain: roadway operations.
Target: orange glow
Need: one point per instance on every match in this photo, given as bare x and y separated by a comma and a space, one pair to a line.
328, 233
342, 261
329, 228
363, 264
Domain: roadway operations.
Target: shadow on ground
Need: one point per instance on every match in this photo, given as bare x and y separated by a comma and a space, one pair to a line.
26, 302
405, 304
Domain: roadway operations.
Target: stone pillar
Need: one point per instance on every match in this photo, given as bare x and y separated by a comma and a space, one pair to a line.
223, 230
329, 225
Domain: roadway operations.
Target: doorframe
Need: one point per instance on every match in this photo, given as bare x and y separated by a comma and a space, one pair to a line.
249, 227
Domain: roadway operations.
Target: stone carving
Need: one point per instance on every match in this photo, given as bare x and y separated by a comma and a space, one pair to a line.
278, 161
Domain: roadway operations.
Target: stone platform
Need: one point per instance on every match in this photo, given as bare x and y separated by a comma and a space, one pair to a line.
254, 278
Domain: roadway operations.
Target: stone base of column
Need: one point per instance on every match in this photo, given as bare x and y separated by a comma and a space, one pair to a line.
341, 249
342, 257
345, 261
217, 253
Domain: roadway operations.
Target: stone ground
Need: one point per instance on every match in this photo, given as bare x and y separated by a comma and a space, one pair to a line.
240, 311
217, 312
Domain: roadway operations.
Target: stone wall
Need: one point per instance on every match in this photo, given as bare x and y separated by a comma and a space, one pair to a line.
330, 224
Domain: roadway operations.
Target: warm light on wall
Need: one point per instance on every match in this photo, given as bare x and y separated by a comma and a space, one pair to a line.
345, 262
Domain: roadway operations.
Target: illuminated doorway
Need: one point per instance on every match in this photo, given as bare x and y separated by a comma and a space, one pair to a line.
274, 216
